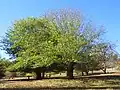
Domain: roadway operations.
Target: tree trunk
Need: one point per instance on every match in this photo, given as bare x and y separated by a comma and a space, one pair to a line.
82, 73
38, 76
86, 72
43, 74
38, 73
70, 70
104, 70
92, 71
28, 77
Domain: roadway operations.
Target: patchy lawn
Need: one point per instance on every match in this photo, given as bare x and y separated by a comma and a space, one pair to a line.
61, 83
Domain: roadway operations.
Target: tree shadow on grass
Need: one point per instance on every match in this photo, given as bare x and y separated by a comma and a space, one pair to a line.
3, 81
46, 78
75, 78
113, 82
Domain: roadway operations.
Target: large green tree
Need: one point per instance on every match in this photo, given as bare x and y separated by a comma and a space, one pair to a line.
70, 23
39, 43
34, 40
58, 37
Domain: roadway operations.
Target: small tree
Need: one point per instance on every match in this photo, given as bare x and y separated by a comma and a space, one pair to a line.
104, 55
3, 66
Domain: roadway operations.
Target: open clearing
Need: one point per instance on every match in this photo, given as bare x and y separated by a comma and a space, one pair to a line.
56, 81
61, 83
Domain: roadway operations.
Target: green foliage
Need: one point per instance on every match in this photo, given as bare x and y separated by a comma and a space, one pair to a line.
29, 74
68, 22
10, 74
57, 67
41, 43
36, 39
3, 66
58, 37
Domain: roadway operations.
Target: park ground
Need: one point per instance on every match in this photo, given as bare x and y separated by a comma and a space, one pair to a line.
101, 81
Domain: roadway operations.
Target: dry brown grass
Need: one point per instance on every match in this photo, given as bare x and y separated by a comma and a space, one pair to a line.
60, 83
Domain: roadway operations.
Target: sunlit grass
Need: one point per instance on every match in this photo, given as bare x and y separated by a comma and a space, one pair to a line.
59, 83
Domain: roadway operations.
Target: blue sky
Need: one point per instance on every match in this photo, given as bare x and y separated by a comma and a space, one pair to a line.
101, 12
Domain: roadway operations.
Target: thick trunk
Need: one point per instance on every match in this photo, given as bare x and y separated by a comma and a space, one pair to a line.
38, 76
38, 73
70, 70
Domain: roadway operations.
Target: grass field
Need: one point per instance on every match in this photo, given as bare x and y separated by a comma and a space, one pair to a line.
60, 83
91, 81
